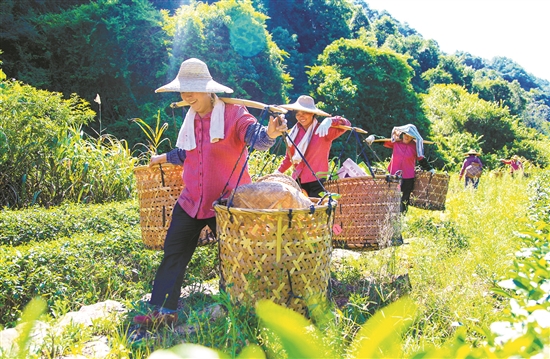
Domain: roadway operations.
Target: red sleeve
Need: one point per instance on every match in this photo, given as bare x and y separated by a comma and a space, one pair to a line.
285, 164
334, 133
389, 144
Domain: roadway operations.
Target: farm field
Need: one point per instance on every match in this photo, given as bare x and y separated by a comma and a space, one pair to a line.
448, 266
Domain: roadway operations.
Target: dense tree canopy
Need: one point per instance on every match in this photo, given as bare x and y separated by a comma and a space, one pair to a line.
461, 120
371, 87
357, 62
313, 25
231, 38
113, 49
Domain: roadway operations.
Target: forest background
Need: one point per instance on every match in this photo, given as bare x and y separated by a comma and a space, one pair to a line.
355, 62
61, 151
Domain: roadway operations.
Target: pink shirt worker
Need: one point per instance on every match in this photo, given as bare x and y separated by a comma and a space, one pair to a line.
312, 140
408, 148
210, 143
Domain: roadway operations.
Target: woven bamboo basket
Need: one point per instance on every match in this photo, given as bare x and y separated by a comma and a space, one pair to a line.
282, 255
368, 212
159, 188
430, 190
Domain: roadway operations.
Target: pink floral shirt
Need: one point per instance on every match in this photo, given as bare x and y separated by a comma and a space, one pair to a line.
316, 154
208, 167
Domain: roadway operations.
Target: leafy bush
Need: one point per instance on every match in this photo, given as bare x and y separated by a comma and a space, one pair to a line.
36, 224
444, 231
46, 159
82, 258
82, 269
461, 120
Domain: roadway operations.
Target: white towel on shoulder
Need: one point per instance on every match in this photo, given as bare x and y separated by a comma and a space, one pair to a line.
186, 136
410, 130
304, 142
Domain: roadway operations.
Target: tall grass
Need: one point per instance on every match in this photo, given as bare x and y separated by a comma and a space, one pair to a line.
454, 257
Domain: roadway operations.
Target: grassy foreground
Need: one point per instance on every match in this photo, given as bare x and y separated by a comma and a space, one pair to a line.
455, 257
452, 260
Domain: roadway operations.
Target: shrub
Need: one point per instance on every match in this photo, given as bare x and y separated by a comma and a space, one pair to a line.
37, 224
80, 258
46, 159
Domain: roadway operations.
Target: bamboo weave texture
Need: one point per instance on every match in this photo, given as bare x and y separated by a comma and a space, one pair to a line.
282, 255
430, 190
367, 211
159, 188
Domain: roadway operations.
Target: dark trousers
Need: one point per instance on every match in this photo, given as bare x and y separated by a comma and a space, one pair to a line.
407, 185
471, 181
313, 188
180, 244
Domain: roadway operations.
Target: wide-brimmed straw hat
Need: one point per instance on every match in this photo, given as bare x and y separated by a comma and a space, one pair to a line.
306, 104
194, 77
471, 152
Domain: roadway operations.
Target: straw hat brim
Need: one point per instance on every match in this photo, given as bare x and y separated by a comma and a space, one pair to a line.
471, 153
298, 107
198, 85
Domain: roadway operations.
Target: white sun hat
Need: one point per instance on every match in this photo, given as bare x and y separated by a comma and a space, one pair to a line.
194, 77
306, 104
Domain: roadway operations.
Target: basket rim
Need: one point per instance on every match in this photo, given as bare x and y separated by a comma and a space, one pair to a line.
358, 178
220, 207
444, 174
147, 167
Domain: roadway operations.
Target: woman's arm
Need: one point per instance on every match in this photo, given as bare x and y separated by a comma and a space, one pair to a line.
285, 164
264, 137
258, 134
334, 132
175, 156
425, 165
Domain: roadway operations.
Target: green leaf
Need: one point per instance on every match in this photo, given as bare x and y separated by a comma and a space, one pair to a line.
299, 337
188, 351
522, 283
252, 352
380, 337
32, 312
501, 292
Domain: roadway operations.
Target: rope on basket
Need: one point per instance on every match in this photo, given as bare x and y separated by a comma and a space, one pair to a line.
263, 116
428, 186
305, 161
291, 294
358, 141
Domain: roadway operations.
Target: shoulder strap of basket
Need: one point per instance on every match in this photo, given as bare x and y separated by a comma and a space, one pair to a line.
265, 112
